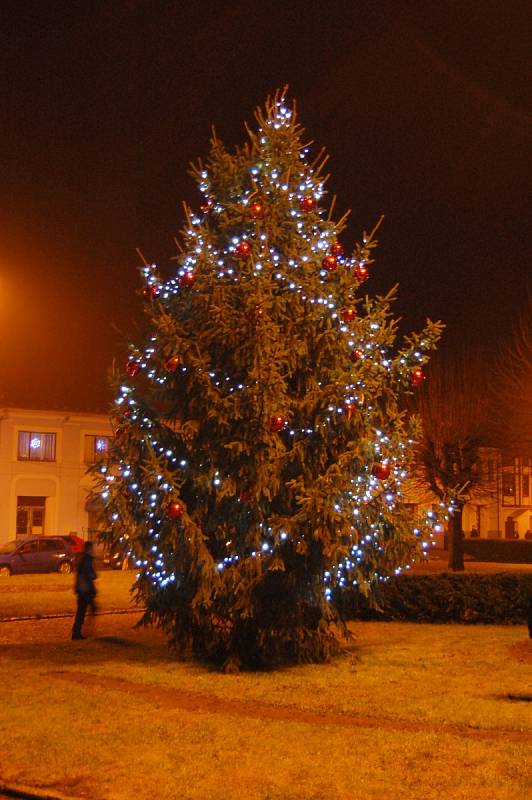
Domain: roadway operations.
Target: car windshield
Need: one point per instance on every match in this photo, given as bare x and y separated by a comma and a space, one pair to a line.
8, 547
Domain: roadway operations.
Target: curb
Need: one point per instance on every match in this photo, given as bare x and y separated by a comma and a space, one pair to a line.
32, 793
68, 615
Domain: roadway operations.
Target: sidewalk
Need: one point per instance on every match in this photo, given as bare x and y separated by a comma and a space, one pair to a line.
437, 562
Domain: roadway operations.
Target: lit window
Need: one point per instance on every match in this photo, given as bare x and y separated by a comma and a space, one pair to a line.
508, 484
33, 446
95, 447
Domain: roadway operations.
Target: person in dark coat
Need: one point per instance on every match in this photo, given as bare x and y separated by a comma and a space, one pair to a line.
85, 589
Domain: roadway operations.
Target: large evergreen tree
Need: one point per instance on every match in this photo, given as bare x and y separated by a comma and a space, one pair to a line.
259, 443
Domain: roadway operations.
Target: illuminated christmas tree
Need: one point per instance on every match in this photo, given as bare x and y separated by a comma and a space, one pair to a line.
260, 445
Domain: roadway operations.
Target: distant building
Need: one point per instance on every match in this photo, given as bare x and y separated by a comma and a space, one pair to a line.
514, 496
44, 457
44, 486
501, 509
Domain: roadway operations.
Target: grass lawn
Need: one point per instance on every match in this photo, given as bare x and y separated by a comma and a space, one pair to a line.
51, 593
409, 711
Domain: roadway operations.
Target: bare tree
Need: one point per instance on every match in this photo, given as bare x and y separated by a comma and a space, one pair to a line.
454, 409
512, 390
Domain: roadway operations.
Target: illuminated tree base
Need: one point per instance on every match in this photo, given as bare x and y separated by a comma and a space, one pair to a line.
283, 630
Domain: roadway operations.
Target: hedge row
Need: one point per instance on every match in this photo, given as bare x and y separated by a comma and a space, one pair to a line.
509, 551
502, 598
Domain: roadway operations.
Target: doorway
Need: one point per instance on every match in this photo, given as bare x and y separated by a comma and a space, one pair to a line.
30, 516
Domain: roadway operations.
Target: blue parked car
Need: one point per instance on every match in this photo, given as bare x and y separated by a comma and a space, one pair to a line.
36, 554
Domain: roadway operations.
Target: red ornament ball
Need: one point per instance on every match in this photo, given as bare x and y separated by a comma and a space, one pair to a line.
336, 250
356, 355
307, 204
206, 207
348, 314
256, 209
174, 510
188, 279
242, 250
417, 376
132, 368
362, 273
277, 423
329, 263
382, 471
152, 291
173, 363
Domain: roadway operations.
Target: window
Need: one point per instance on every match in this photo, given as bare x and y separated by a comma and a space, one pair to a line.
34, 446
50, 545
508, 483
526, 485
29, 547
96, 446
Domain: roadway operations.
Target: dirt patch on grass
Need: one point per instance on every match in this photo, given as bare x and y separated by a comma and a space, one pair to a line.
199, 702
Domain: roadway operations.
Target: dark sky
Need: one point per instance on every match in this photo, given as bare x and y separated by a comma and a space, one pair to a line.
423, 108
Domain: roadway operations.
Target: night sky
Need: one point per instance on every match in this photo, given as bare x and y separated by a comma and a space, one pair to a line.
423, 108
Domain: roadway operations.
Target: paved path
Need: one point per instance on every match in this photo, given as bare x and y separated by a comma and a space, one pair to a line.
438, 563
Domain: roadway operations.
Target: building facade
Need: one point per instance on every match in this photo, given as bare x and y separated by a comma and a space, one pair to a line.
515, 497
44, 485
503, 508
500, 508
44, 457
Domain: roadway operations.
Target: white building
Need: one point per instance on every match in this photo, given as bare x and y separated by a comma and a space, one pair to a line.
44, 456
44, 484
500, 508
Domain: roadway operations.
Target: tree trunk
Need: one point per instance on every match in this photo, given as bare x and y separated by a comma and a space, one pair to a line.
456, 550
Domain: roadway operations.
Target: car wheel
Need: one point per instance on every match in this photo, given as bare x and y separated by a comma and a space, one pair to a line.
65, 568
5, 571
